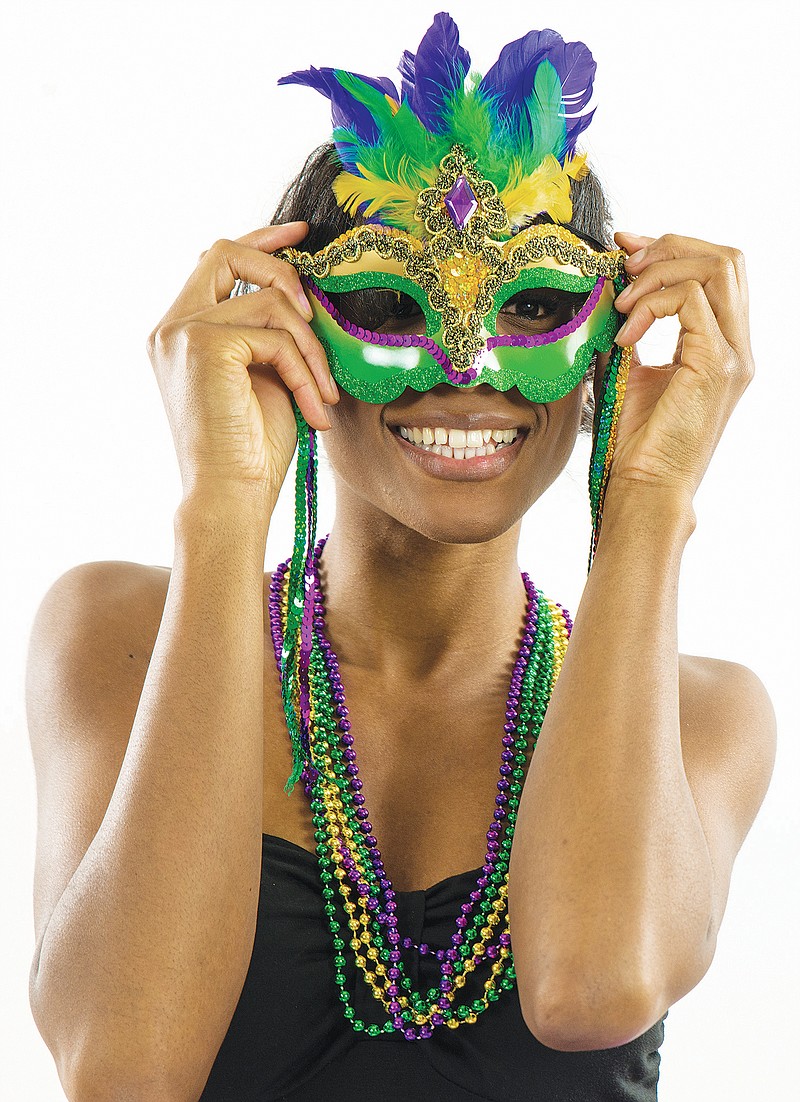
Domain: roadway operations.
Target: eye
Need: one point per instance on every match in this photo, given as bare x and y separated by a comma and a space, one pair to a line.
539, 310
380, 310
403, 308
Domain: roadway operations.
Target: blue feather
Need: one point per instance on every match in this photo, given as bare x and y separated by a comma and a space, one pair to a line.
346, 111
438, 69
510, 81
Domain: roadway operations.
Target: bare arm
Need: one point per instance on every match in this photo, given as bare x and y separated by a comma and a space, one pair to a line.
639, 795
141, 962
150, 794
647, 774
609, 855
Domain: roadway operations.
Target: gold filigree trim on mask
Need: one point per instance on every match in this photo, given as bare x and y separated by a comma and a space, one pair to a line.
460, 269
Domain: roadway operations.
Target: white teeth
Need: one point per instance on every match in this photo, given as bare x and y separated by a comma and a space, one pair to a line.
458, 443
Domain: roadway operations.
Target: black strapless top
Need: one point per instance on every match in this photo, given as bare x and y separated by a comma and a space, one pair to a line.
288, 1040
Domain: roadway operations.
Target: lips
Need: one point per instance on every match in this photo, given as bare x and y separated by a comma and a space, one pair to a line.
475, 469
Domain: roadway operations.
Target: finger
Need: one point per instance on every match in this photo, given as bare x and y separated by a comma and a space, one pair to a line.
688, 301
275, 348
226, 261
630, 242
718, 278
269, 308
674, 247
278, 350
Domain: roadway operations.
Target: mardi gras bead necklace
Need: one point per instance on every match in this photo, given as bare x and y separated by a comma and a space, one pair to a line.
347, 849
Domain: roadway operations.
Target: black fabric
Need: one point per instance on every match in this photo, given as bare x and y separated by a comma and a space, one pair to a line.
288, 1040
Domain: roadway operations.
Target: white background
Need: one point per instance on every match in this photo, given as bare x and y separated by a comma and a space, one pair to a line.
135, 135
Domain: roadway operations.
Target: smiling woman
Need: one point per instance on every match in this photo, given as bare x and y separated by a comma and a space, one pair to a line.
206, 930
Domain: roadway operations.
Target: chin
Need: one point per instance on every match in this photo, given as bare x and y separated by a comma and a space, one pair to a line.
455, 521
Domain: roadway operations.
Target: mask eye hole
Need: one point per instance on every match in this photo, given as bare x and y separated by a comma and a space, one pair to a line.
539, 310
381, 310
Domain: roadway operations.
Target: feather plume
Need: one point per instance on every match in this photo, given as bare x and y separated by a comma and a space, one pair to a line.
520, 122
346, 111
437, 69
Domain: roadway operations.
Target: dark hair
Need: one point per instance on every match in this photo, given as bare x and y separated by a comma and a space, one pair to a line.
309, 196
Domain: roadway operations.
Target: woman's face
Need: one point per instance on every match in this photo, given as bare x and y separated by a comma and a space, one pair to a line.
453, 500
450, 499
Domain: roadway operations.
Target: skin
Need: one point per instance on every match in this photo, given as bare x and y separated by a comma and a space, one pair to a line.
161, 767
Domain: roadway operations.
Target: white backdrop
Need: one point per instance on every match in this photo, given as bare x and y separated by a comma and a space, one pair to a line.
135, 135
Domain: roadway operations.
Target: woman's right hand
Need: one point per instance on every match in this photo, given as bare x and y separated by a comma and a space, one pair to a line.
227, 367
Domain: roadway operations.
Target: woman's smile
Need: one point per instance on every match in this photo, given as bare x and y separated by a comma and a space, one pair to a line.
471, 448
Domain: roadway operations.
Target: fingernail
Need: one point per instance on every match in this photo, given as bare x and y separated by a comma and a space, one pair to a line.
306, 305
622, 295
333, 386
623, 330
634, 258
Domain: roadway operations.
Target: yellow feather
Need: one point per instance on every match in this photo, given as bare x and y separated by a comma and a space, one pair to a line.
545, 189
576, 166
391, 197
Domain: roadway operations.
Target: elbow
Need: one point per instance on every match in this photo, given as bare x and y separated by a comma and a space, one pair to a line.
605, 1016
95, 1066
85, 1078
85, 1081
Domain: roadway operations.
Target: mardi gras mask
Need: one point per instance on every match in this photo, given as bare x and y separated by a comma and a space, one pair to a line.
460, 306
462, 269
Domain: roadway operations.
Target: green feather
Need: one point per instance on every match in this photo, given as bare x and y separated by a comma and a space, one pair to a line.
549, 129
470, 121
373, 99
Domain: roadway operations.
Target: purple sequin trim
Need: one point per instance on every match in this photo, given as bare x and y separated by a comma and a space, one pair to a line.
393, 340
538, 339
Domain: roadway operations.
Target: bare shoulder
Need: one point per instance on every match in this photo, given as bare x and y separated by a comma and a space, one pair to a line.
719, 698
88, 653
96, 620
728, 739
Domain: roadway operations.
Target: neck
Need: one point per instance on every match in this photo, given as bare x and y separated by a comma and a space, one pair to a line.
407, 607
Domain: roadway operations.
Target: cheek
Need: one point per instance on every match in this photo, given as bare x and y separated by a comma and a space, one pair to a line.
354, 436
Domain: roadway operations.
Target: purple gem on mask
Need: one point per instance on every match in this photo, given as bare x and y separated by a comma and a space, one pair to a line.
461, 202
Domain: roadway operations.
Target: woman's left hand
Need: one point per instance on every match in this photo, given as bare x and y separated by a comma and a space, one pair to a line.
673, 416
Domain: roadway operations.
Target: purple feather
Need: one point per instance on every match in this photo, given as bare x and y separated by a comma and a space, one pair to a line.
346, 111
406, 69
438, 67
510, 80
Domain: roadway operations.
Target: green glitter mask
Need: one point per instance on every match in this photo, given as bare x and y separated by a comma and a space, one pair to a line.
462, 285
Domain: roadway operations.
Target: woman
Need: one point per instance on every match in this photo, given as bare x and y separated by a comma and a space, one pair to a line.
182, 940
